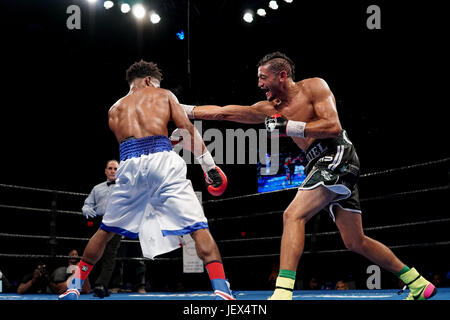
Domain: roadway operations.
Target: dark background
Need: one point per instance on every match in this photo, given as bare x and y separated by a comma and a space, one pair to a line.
58, 84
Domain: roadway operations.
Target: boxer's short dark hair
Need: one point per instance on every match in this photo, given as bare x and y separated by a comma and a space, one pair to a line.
143, 69
278, 62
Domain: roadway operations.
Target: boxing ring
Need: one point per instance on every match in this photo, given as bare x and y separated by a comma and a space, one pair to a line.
412, 223
249, 295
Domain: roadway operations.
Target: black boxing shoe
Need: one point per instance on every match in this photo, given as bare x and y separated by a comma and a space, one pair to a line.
100, 291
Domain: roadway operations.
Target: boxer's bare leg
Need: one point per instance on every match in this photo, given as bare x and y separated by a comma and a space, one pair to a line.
350, 227
96, 246
205, 245
304, 206
92, 253
208, 251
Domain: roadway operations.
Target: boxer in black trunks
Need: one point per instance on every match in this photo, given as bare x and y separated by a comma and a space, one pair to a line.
306, 111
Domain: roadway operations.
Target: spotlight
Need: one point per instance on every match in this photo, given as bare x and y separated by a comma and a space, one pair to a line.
248, 17
288, 1
154, 17
108, 4
125, 8
91, 1
180, 35
273, 5
261, 12
138, 11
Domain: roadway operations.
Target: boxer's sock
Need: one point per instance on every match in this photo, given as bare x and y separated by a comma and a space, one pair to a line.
219, 283
284, 286
74, 287
81, 273
404, 270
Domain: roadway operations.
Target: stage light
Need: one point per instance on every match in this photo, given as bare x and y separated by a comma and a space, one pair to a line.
261, 12
154, 17
288, 1
138, 11
180, 35
91, 1
248, 17
108, 4
273, 5
125, 8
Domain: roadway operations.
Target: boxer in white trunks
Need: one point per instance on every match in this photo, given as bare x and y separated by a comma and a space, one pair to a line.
152, 199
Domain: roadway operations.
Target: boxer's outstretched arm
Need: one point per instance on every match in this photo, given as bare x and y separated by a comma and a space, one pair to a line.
235, 113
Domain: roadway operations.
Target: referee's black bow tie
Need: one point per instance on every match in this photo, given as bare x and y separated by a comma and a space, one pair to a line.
108, 183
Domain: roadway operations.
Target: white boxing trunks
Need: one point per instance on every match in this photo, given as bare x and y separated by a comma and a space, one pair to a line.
152, 198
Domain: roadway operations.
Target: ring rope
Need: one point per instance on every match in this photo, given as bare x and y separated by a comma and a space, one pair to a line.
31, 236
413, 166
25, 208
361, 176
257, 214
400, 194
402, 246
417, 245
47, 256
243, 196
329, 233
386, 196
43, 190
39, 209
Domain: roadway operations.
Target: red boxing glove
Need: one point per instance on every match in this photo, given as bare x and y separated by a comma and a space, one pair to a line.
217, 181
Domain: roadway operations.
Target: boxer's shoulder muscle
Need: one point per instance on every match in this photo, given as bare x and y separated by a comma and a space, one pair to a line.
314, 88
266, 107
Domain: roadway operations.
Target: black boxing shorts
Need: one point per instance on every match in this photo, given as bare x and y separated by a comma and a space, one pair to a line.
334, 164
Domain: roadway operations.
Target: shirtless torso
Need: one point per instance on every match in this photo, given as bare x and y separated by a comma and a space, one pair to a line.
145, 112
142, 112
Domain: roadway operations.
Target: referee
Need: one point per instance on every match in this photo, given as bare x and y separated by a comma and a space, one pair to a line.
94, 208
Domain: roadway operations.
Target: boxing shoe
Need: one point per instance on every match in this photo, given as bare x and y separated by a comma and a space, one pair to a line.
281, 295
70, 294
419, 287
283, 289
222, 290
100, 291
